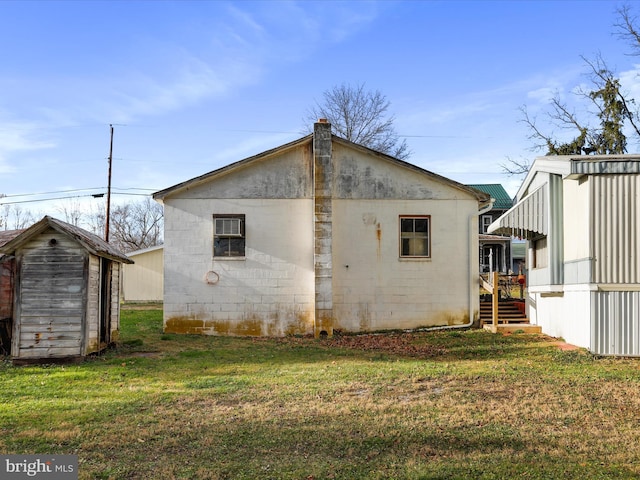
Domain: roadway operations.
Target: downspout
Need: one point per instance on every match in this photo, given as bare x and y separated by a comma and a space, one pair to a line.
472, 247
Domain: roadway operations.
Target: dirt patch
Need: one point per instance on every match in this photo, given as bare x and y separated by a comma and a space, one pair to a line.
396, 344
404, 344
566, 346
145, 354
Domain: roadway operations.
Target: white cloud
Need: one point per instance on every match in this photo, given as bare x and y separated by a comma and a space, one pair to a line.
16, 137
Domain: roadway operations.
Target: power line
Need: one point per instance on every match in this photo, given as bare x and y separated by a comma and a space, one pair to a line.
77, 190
100, 195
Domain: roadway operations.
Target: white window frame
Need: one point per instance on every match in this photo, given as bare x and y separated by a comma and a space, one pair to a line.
486, 221
229, 228
408, 236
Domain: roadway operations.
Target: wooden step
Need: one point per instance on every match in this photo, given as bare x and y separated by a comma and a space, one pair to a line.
508, 313
514, 328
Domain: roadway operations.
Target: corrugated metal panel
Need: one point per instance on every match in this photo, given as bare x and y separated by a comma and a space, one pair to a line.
615, 203
604, 166
615, 323
555, 226
527, 217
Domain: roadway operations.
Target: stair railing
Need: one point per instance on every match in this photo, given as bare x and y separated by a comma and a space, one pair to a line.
493, 287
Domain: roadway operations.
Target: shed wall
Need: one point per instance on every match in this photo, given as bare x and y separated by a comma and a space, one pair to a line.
92, 334
114, 321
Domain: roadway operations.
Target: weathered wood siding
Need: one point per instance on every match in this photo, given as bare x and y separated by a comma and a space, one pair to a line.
51, 298
7, 275
7, 269
116, 271
93, 306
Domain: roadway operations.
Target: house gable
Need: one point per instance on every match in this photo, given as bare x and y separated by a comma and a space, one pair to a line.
361, 173
283, 175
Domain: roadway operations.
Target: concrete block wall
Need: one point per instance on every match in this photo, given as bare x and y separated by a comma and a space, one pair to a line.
268, 292
375, 289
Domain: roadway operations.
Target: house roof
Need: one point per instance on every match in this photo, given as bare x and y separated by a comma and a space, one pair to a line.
88, 240
481, 196
529, 215
145, 250
575, 166
502, 199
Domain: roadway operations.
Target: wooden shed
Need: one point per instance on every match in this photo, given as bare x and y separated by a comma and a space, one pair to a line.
61, 289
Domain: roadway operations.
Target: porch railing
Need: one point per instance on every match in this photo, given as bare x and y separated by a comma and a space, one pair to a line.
493, 283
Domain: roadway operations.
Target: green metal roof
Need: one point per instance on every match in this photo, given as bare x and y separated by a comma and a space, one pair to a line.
497, 191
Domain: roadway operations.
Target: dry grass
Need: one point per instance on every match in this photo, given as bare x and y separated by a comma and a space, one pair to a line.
416, 406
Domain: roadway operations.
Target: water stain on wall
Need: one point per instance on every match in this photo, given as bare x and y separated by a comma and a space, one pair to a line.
253, 325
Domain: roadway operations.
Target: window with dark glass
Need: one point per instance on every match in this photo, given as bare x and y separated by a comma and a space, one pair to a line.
415, 236
228, 236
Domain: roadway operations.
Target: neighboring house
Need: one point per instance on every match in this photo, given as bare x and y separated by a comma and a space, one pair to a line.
63, 299
142, 280
495, 250
580, 215
318, 235
518, 256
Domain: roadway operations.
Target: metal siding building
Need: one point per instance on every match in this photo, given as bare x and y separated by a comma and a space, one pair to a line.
588, 291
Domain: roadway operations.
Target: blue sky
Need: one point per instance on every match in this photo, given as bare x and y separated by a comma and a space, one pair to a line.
193, 86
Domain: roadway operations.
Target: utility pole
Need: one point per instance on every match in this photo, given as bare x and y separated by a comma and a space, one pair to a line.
108, 212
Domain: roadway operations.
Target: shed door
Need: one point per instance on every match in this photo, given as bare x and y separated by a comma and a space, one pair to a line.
50, 293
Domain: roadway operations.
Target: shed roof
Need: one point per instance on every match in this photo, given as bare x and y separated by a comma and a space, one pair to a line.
88, 240
502, 199
7, 235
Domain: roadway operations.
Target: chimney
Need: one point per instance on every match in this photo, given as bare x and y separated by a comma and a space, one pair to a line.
323, 263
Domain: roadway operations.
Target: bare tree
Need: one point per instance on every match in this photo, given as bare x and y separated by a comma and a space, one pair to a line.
598, 129
134, 226
95, 219
72, 212
14, 217
360, 116
516, 166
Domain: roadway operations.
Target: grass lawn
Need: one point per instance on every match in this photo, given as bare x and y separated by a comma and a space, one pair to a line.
456, 404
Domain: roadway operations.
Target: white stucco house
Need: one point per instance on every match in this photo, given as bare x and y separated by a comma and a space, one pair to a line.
318, 235
580, 215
